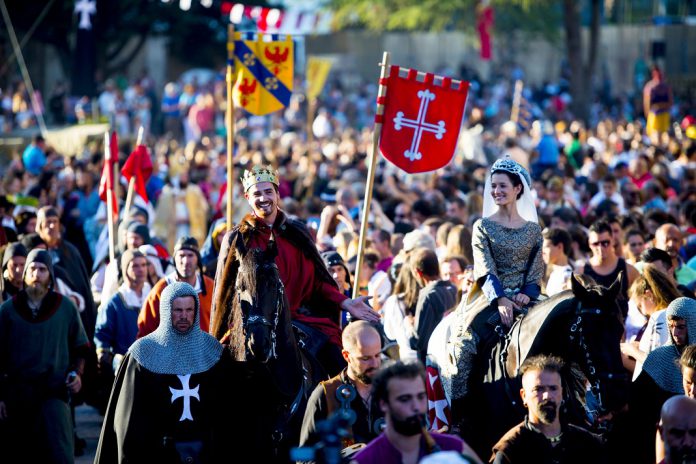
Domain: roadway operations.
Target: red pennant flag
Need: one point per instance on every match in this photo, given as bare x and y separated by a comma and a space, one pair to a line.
139, 165
106, 183
421, 120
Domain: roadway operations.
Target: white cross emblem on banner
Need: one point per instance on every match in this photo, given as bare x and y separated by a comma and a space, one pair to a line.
85, 8
186, 393
419, 125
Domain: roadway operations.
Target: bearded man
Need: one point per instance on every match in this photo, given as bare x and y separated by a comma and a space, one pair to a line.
171, 390
13, 260
304, 275
541, 437
678, 430
68, 263
362, 350
42, 355
399, 390
187, 268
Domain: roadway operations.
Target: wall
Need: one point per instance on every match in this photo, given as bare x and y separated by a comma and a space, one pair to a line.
619, 48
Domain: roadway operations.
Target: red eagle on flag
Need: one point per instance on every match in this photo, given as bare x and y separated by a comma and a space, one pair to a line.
421, 120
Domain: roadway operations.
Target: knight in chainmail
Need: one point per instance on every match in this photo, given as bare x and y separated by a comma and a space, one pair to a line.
169, 397
660, 379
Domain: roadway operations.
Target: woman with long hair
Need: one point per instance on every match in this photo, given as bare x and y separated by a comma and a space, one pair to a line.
399, 306
652, 292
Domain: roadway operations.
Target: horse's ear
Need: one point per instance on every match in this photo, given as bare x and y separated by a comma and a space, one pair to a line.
615, 288
271, 250
578, 290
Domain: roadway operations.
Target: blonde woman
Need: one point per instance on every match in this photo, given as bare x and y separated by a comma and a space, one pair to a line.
652, 292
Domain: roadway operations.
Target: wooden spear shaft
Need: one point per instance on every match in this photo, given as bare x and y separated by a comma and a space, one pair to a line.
110, 199
230, 125
371, 172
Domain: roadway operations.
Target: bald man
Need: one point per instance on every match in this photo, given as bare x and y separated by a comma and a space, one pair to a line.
668, 237
362, 350
678, 430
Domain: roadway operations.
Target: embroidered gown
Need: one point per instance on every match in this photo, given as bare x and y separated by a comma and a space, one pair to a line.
501, 258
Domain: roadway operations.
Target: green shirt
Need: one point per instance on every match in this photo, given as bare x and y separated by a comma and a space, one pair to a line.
38, 350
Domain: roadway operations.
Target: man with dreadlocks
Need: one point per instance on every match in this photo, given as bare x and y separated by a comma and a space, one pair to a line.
166, 401
313, 297
659, 380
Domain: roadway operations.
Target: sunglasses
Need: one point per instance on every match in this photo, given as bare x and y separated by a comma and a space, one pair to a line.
602, 243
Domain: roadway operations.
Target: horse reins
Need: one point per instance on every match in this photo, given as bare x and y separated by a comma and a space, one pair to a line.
255, 319
577, 328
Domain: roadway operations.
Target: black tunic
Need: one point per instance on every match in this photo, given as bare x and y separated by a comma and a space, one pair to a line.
146, 415
524, 444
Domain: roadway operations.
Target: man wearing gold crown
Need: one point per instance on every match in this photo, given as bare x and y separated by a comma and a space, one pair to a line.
301, 268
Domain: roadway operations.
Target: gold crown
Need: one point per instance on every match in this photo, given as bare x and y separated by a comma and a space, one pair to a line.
259, 174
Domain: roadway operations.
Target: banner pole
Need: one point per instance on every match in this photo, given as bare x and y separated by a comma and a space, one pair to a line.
229, 120
516, 99
371, 170
109, 199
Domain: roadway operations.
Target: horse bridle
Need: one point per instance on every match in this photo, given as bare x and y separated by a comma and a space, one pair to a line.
577, 336
255, 319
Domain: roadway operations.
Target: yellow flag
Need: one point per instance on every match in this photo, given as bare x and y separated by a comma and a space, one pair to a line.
317, 72
264, 73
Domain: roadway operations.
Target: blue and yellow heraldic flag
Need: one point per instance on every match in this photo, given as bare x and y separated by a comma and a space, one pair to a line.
263, 71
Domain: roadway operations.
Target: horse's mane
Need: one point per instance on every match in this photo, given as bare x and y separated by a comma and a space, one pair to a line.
246, 281
246, 276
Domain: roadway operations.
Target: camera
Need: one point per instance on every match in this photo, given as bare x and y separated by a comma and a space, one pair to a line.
328, 449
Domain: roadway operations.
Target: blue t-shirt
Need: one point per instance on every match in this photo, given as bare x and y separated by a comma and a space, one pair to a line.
548, 150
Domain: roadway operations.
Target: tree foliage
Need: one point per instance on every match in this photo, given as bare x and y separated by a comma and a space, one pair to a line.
121, 29
535, 17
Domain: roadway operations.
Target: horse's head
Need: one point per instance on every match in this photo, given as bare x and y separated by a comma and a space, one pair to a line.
596, 333
261, 297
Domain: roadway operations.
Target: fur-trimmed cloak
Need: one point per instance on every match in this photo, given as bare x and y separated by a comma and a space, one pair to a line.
308, 283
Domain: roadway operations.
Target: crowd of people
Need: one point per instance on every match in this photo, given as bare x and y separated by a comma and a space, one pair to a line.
505, 225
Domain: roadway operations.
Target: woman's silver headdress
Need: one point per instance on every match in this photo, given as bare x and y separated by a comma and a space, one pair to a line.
513, 167
525, 204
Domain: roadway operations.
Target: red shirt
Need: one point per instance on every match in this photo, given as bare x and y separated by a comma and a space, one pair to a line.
302, 284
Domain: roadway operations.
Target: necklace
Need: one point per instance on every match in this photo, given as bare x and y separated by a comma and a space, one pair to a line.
555, 440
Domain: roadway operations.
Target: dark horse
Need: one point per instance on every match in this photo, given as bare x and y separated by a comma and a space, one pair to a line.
280, 377
584, 327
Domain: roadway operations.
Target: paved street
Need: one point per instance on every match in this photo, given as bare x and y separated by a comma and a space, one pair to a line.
88, 427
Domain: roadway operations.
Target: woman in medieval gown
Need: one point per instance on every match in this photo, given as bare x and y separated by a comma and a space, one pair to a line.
507, 270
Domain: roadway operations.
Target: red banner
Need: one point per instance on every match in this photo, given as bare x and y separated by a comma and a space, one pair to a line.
139, 165
107, 180
421, 120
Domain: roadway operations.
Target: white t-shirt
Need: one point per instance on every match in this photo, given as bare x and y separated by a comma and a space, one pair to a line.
380, 285
656, 335
559, 279
396, 327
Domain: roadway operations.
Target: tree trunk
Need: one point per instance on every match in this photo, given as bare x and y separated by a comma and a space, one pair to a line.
578, 78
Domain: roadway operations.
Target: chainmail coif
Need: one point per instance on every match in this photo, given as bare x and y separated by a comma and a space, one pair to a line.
662, 363
168, 351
